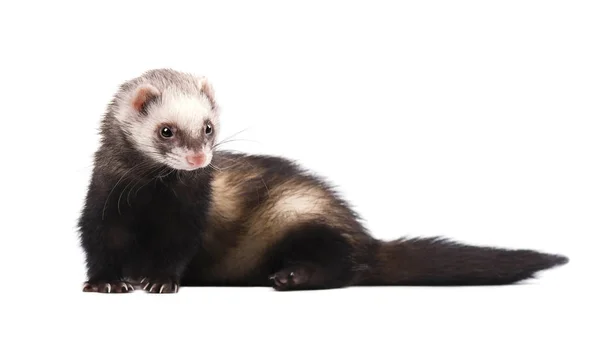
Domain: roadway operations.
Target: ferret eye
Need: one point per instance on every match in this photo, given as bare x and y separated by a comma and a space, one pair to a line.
166, 132
208, 129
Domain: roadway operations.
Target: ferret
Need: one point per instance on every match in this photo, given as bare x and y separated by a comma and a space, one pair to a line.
166, 208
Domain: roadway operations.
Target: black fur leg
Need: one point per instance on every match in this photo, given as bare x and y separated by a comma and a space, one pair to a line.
159, 285
314, 256
153, 236
163, 274
104, 271
108, 287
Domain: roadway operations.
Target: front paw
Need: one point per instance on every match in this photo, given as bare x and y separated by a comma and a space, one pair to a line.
159, 285
107, 286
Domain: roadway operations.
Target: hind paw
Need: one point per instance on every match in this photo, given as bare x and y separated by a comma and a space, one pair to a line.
292, 278
108, 287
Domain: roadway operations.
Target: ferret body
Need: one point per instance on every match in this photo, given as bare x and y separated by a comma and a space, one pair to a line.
165, 208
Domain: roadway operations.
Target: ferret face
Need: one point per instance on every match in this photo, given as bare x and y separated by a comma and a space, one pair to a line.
173, 127
181, 131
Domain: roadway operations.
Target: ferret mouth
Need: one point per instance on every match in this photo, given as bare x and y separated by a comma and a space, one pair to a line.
191, 168
188, 167
190, 162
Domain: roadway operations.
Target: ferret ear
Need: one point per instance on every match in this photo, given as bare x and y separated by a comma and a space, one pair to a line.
142, 96
207, 89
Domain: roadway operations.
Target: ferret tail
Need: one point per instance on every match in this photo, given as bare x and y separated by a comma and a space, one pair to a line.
441, 262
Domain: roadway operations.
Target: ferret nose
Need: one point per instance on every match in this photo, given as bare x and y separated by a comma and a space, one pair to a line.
196, 159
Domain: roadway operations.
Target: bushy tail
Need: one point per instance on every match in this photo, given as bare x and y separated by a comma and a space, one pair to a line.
438, 261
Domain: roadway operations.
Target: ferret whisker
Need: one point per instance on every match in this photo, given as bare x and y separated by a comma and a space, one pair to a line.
150, 171
235, 140
234, 163
214, 167
161, 174
121, 195
116, 184
180, 178
143, 185
234, 135
169, 173
148, 165
218, 145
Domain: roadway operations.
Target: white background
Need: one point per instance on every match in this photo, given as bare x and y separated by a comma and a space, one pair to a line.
476, 120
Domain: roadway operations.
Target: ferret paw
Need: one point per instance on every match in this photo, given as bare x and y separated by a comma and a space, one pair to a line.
159, 285
108, 287
292, 278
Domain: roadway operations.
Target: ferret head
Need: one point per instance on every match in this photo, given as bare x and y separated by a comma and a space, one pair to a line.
171, 117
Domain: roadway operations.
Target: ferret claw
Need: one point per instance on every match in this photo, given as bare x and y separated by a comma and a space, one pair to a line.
160, 286
108, 287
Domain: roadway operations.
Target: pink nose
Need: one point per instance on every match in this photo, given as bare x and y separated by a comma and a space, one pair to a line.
195, 160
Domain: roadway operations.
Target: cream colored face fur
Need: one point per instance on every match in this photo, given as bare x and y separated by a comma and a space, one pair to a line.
146, 110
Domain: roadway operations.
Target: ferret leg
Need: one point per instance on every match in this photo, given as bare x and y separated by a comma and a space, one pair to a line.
104, 274
165, 267
312, 256
104, 263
